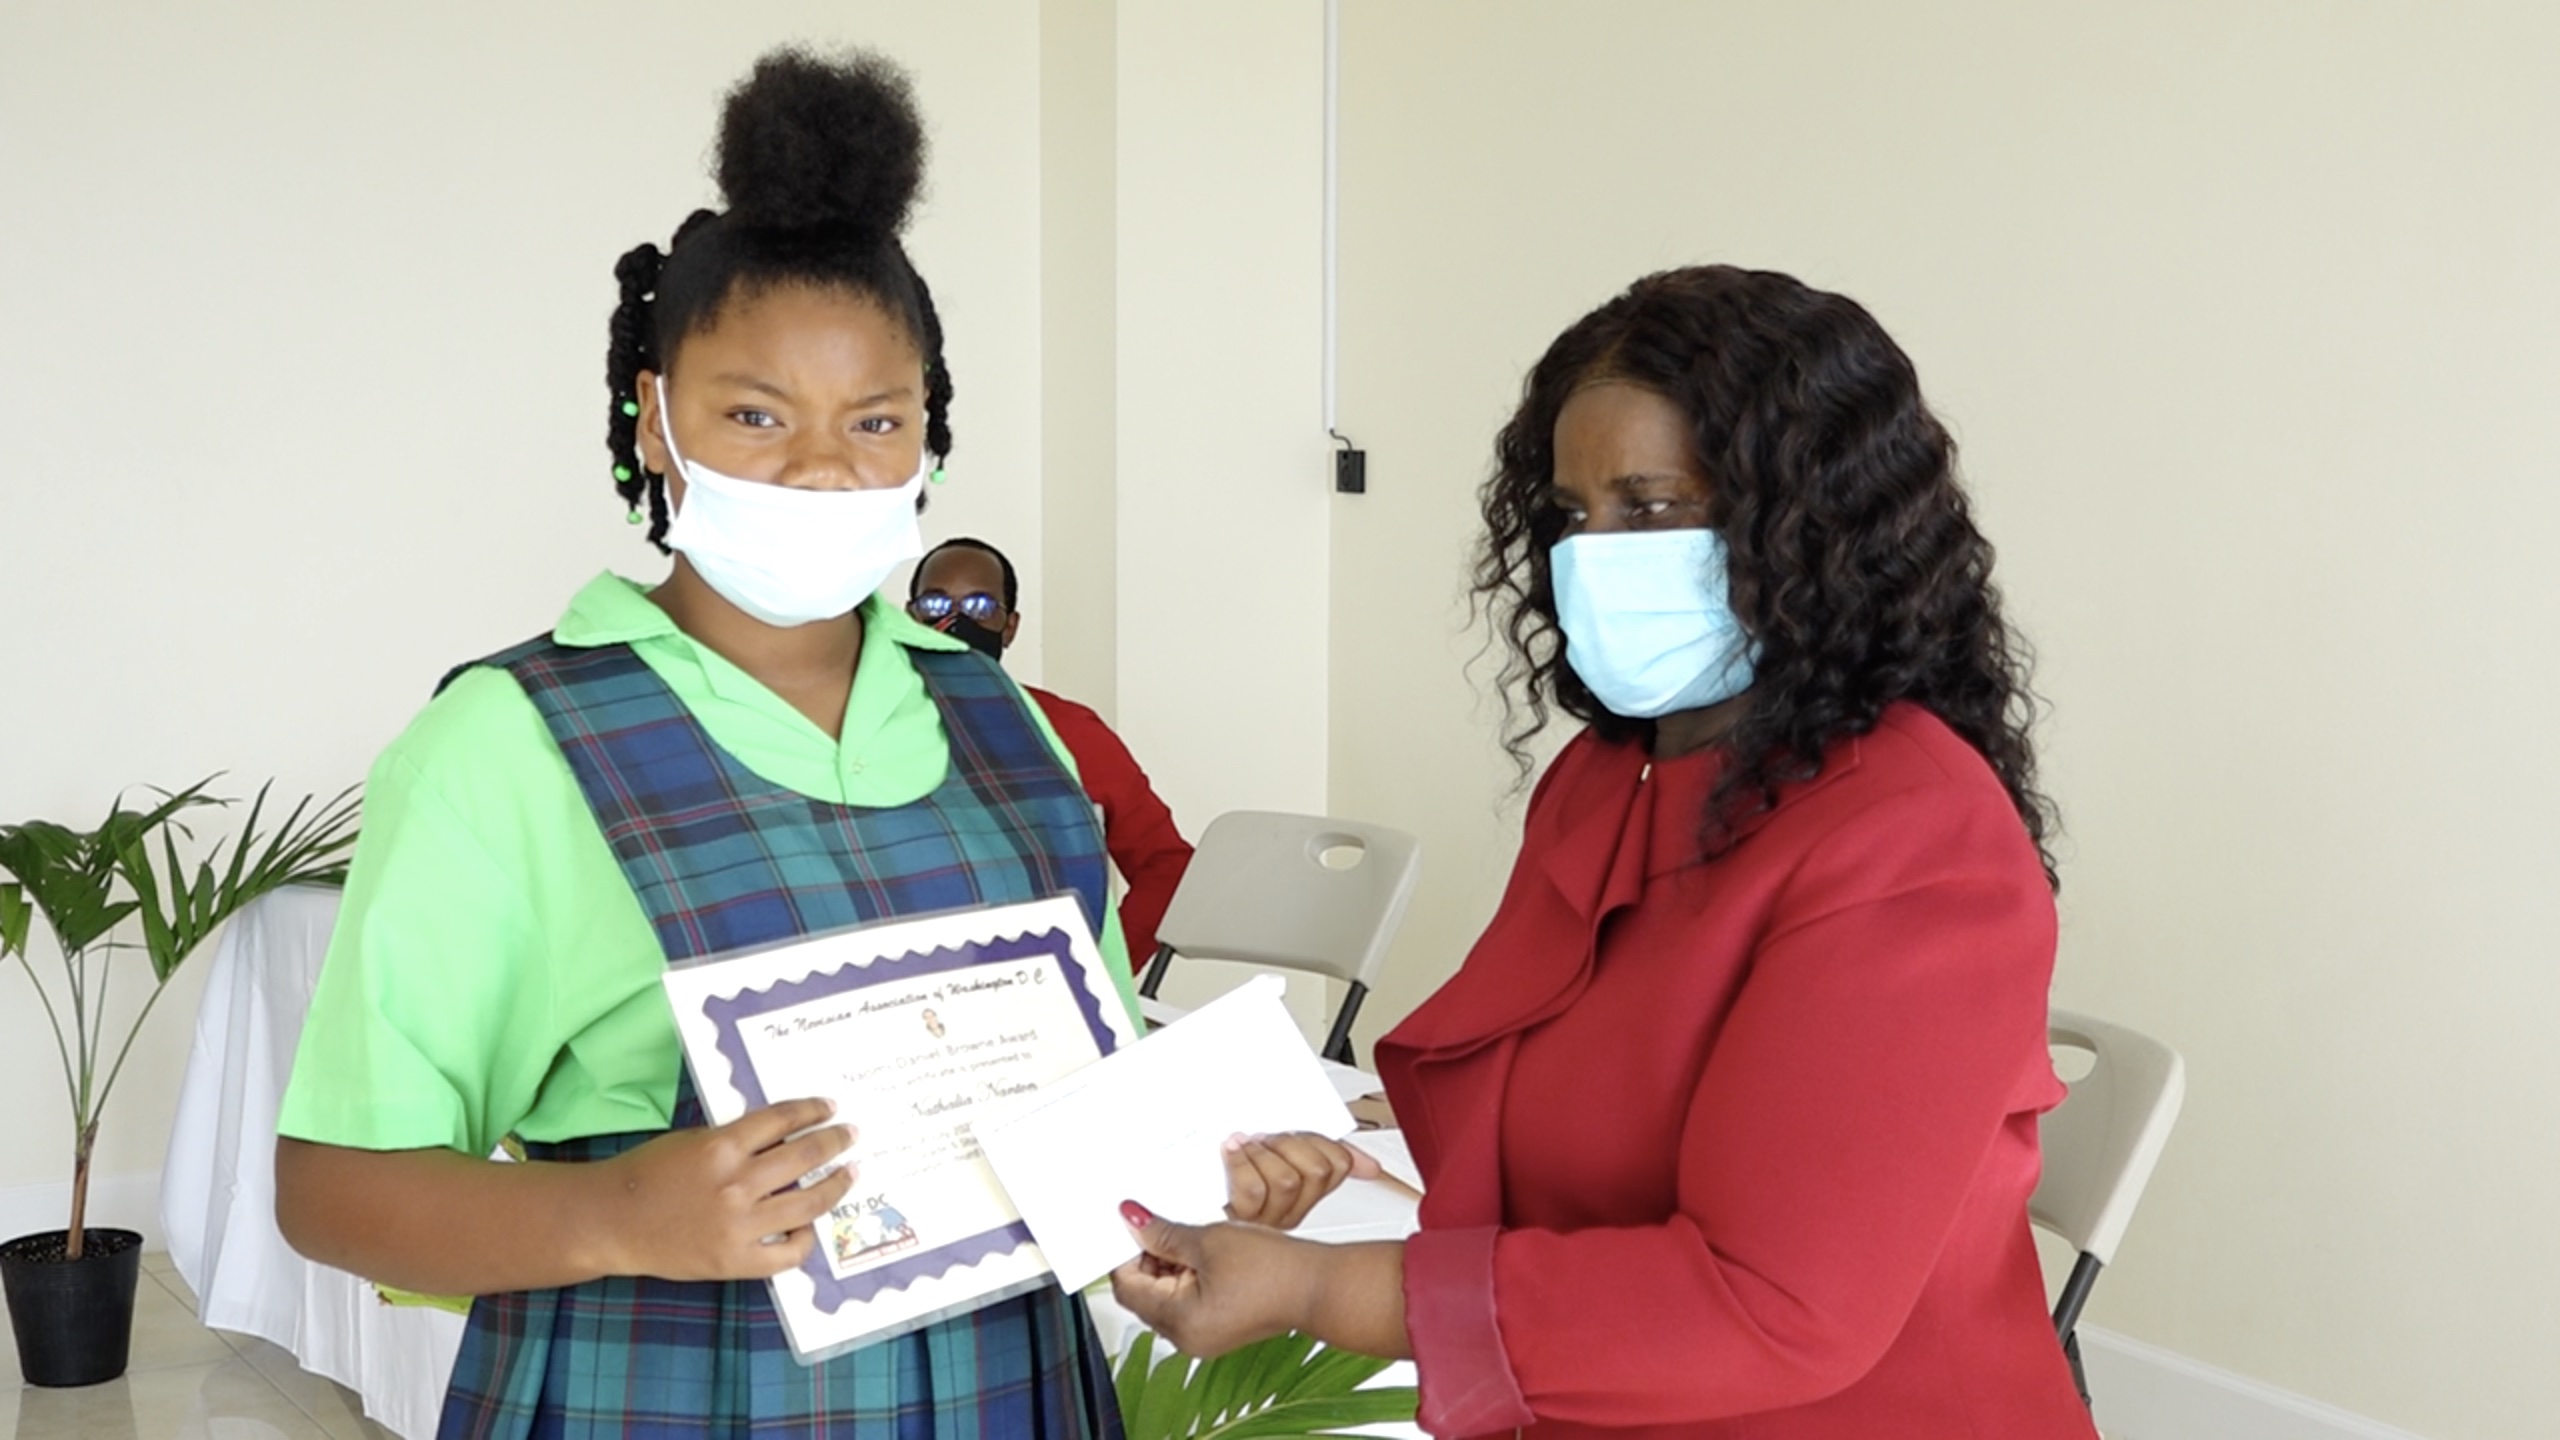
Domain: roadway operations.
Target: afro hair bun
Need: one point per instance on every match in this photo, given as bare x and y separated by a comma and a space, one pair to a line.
810, 141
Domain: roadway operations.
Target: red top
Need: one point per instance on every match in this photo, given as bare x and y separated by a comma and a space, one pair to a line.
1743, 1147
1137, 827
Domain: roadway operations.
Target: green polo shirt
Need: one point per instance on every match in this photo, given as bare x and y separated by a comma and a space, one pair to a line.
491, 971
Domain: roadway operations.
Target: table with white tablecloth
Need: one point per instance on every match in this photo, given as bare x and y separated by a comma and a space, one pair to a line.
217, 1199
217, 1187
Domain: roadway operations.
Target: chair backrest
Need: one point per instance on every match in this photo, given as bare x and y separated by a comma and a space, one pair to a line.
1299, 892
2101, 1143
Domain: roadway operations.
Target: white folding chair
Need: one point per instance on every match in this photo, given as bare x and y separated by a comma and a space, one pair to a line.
2100, 1145
1297, 892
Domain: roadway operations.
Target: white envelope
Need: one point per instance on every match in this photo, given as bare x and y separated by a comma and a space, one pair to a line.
1147, 1124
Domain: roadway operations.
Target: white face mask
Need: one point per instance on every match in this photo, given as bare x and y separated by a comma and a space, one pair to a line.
1646, 621
786, 556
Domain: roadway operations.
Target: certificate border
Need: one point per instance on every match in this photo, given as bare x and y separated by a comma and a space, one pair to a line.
727, 1013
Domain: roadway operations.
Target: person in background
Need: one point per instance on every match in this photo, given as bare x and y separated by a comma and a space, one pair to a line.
967, 589
1728, 1122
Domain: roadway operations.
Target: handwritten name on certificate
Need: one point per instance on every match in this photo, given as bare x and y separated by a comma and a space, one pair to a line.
915, 1029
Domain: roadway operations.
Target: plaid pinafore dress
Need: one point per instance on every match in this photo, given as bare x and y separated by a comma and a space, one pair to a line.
722, 858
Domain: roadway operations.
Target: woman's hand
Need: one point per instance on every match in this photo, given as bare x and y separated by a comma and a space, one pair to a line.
1213, 1288
719, 1202
1275, 1180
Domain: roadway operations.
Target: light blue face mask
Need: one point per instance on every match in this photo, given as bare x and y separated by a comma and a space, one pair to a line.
1648, 620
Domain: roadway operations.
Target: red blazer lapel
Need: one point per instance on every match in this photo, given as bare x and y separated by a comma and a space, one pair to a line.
1576, 865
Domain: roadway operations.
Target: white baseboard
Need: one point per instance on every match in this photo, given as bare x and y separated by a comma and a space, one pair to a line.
121, 1202
2142, 1392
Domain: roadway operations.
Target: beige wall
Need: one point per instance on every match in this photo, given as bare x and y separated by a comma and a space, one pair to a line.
306, 310
1221, 453
1079, 310
2248, 321
1219, 575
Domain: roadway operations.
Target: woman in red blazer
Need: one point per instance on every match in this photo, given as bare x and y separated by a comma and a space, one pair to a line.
1729, 1119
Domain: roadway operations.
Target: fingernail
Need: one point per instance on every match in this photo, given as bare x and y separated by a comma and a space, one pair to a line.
1233, 1143
1136, 1214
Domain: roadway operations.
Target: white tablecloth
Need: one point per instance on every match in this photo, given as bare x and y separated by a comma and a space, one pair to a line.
217, 1195
217, 1188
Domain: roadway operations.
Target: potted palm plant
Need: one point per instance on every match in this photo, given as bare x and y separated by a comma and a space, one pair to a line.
114, 891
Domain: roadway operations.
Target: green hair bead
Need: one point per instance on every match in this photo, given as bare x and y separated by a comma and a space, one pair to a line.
630, 407
622, 472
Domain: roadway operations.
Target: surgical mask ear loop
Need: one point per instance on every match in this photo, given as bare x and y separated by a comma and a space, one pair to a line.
667, 432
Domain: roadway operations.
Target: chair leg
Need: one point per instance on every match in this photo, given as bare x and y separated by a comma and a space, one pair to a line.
2075, 1293
1337, 1046
1155, 971
2066, 1316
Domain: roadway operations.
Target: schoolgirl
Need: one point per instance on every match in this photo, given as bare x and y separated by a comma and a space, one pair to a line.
756, 748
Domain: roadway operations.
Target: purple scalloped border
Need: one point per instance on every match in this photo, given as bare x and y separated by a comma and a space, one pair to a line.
727, 1013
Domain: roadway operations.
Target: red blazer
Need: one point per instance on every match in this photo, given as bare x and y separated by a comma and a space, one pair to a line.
1742, 1147
1137, 827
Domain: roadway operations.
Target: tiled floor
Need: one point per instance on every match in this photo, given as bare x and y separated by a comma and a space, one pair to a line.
185, 1382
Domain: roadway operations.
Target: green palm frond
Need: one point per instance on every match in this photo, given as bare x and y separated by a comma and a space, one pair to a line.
16, 916
1275, 1389
179, 914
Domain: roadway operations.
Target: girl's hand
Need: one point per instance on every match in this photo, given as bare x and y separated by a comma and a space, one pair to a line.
1212, 1288
719, 1202
1275, 1180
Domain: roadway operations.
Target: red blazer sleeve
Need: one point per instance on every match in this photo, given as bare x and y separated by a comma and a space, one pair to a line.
1857, 1085
1137, 826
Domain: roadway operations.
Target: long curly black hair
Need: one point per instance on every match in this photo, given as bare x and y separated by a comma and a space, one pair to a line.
820, 160
1853, 560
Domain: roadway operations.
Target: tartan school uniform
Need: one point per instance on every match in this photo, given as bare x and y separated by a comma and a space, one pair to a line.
708, 849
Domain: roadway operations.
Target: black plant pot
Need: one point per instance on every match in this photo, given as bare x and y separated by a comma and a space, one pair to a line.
74, 1318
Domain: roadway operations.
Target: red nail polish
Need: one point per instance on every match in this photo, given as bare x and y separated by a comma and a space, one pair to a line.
1136, 1214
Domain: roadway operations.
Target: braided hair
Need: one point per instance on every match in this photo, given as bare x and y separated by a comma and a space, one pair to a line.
1854, 562
820, 160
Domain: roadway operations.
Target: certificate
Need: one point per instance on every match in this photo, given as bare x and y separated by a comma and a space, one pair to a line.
915, 1029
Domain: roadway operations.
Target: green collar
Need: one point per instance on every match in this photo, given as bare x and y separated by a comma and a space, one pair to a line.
610, 610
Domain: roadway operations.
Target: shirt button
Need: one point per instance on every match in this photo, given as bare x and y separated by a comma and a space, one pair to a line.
853, 767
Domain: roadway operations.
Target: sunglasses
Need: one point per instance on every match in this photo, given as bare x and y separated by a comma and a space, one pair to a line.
935, 606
